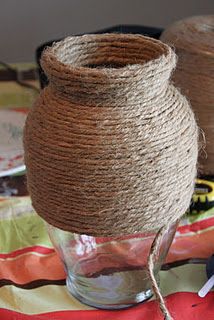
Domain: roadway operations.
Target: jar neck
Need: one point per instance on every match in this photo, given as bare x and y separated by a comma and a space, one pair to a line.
108, 69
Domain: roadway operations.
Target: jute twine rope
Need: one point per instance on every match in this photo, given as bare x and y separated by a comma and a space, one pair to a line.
111, 144
152, 258
193, 40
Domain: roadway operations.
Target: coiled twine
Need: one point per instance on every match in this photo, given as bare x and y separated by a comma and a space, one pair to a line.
193, 40
110, 144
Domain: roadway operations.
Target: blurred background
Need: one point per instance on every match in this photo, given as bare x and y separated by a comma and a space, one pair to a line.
25, 24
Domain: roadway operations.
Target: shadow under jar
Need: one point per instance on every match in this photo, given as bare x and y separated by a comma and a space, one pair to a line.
109, 273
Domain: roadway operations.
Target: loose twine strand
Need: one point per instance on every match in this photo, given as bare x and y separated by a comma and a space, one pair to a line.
110, 144
193, 40
152, 258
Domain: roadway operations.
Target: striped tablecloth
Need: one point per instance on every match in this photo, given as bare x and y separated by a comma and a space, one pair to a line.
32, 279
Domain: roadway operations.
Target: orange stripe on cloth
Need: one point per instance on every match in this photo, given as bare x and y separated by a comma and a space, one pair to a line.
20, 109
30, 266
197, 245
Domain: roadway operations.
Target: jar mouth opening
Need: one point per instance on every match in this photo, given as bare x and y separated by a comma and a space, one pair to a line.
107, 52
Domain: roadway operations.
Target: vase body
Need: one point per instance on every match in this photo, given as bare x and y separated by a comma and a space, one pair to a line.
110, 144
111, 151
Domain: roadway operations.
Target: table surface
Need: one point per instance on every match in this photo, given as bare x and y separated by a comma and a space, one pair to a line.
32, 279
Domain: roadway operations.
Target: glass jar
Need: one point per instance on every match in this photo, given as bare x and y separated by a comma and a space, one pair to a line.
109, 273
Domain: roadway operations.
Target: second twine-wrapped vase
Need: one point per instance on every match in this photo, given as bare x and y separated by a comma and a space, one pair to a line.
193, 40
111, 144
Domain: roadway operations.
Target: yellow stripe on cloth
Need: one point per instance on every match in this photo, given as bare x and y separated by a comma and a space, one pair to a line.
186, 278
20, 227
40, 300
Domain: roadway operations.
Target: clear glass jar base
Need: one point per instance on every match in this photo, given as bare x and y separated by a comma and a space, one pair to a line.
141, 297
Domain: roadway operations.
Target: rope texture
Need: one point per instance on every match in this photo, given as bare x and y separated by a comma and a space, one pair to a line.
193, 40
110, 150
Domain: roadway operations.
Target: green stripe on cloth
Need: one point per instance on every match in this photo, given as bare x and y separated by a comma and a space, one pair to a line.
191, 218
23, 231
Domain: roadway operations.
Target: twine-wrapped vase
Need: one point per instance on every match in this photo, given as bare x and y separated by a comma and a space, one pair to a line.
193, 40
110, 144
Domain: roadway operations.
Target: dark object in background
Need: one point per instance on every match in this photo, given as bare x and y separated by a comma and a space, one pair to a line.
210, 267
10, 73
13, 186
146, 31
203, 197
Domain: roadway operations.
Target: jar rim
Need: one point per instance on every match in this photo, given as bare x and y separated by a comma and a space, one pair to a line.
115, 56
